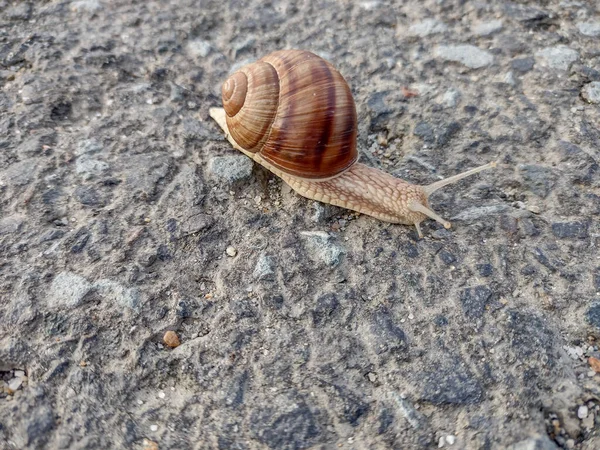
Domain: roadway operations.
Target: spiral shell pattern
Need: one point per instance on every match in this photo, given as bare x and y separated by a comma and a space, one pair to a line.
296, 110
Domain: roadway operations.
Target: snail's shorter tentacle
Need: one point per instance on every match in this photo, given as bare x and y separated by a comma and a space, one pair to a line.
418, 207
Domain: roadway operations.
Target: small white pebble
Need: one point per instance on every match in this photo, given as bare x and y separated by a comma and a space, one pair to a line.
153, 427
231, 251
161, 394
441, 442
450, 439
582, 412
140, 402
411, 317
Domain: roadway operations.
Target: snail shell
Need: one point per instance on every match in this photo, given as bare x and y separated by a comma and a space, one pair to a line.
296, 110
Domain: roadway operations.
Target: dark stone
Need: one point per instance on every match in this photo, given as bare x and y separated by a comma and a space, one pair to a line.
61, 111
242, 308
447, 257
528, 15
51, 196
228, 440
570, 150
528, 270
522, 65
381, 112
236, 390
593, 315
81, 238
386, 418
87, 195
539, 180
273, 301
425, 132
40, 422
528, 227
590, 133
353, 407
387, 336
570, 230
130, 431
440, 321
547, 259
597, 279
450, 382
474, 300
183, 310
590, 73
509, 224
293, 430
325, 307
163, 252
447, 132
171, 225
485, 270
160, 74
409, 249
530, 337
51, 235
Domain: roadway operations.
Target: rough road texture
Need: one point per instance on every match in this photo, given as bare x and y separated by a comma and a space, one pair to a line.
125, 214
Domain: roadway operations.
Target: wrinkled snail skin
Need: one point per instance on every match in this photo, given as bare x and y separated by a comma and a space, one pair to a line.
293, 113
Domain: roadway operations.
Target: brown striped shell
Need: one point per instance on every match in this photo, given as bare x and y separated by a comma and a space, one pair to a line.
295, 109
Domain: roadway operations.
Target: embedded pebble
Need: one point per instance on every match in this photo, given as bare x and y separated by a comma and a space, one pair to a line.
591, 92
171, 339
89, 167
487, 28
264, 267
230, 168
90, 6
522, 65
15, 383
147, 444
467, 55
153, 427
88, 146
451, 98
199, 48
582, 412
231, 251
589, 28
67, 290
560, 57
574, 352
322, 247
427, 27
121, 295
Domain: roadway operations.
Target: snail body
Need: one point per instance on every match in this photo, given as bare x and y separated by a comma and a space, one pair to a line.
293, 113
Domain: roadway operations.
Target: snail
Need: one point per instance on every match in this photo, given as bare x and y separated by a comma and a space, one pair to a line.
293, 113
